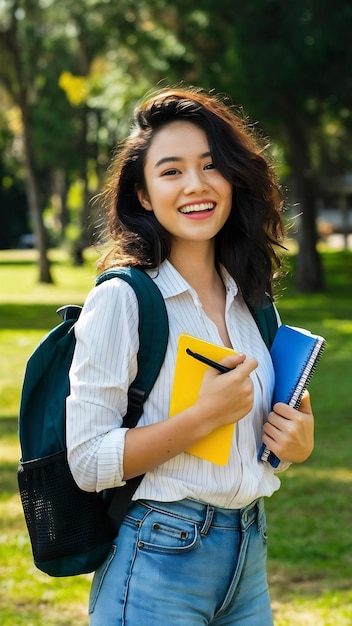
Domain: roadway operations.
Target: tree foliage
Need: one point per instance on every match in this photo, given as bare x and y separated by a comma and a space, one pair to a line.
75, 69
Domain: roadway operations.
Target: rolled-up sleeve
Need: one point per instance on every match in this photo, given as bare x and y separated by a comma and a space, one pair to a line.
103, 367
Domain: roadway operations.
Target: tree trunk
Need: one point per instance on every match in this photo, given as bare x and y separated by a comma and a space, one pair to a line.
83, 239
34, 204
21, 98
309, 272
59, 200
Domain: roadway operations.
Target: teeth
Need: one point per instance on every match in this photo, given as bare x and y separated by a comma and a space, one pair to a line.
195, 208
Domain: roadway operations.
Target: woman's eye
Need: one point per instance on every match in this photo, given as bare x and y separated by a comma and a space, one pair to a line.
170, 173
209, 166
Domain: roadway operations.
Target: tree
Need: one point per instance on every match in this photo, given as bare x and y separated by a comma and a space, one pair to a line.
18, 51
32, 51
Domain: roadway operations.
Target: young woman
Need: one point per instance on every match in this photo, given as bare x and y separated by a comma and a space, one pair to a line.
193, 201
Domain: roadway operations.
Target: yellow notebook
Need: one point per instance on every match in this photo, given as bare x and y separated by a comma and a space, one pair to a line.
188, 378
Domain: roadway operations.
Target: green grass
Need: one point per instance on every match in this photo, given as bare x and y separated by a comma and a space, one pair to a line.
309, 519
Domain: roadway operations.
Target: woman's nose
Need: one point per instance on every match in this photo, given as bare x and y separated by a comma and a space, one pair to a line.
195, 182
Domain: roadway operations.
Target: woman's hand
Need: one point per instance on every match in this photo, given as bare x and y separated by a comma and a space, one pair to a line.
289, 433
227, 398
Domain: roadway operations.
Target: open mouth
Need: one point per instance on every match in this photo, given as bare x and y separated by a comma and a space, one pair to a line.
203, 207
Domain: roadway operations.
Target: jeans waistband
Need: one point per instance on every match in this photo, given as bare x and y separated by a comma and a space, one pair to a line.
204, 515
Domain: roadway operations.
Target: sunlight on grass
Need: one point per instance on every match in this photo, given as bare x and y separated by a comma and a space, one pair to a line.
71, 284
338, 475
16, 348
9, 449
329, 609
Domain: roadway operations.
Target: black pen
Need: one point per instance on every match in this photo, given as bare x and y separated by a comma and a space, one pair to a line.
221, 368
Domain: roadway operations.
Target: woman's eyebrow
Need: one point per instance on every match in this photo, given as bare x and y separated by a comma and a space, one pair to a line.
169, 159
175, 159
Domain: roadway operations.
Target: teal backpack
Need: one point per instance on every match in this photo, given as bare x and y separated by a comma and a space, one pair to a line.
71, 530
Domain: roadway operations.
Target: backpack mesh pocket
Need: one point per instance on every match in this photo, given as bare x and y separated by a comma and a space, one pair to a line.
62, 519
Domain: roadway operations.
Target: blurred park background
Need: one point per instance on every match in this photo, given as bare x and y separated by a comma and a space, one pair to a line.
71, 73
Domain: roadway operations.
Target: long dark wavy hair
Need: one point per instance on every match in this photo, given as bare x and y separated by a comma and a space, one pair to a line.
245, 245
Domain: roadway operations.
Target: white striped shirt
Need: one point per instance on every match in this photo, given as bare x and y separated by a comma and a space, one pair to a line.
105, 364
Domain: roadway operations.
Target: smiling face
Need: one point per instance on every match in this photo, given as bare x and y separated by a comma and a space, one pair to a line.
189, 197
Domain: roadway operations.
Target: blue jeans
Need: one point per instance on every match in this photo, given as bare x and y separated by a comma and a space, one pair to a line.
185, 564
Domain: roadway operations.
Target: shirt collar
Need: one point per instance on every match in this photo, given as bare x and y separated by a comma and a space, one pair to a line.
171, 283
169, 280
229, 282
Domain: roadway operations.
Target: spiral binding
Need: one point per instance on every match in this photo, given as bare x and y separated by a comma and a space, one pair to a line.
307, 373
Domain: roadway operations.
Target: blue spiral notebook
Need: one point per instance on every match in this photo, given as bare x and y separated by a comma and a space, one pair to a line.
295, 353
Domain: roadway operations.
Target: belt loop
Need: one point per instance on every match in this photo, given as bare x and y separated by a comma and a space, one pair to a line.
250, 514
208, 520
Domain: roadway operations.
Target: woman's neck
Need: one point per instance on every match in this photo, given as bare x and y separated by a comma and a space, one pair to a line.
200, 272
197, 266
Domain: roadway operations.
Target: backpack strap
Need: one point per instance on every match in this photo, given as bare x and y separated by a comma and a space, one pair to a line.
266, 320
153, 337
